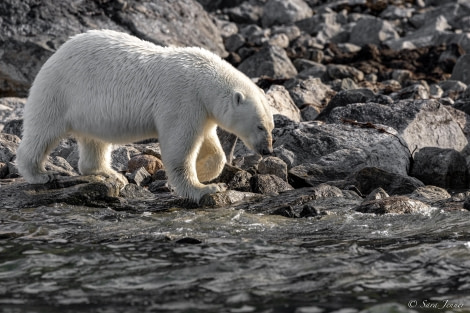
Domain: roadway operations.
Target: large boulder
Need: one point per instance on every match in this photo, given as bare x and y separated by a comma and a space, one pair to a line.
339, 149
271, 61
421, 123
31, 32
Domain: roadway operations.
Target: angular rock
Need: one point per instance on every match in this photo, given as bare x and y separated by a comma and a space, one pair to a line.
279, 12
281, 103
346, 97
371, 30
415, 92
8, 146
30, 33
421, 123
268, 184
339, 71
13, 127
225, 198
430, 194
393, 204
139, 176
340, 148
149, 162
445, 168
271, 61
370, 178
274, 166
240, 181
94, 191
248, 12
11, 108
377, 194
460, 71
310, 91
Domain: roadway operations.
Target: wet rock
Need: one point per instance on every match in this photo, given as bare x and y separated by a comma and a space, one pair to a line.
281, 103
268, 184
159, 186
377, 194
342, 148
285, 210
133, 191
149, 162
188, 240
393, 204
370, 30
445, 168
3, 170
309, 210
421, 123
83, 190
430, 194
370, 178
225, 198
460, 71
274, 166
278, 12
271, 61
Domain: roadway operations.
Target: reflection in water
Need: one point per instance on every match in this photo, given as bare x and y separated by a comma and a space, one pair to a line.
76, 259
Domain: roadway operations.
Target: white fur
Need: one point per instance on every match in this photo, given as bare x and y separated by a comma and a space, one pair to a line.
109, 87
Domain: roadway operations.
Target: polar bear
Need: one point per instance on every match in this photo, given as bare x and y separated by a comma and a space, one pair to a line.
106, 87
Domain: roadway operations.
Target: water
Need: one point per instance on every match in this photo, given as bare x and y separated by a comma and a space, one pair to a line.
79, 259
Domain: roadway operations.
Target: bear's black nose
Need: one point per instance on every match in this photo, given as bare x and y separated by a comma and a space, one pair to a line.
267, 151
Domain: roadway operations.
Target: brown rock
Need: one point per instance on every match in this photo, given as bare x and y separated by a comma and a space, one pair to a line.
151, 163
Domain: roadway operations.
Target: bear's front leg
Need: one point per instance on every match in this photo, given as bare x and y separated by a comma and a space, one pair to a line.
179, 158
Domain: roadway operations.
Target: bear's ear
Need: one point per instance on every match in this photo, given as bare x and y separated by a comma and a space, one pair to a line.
238, 98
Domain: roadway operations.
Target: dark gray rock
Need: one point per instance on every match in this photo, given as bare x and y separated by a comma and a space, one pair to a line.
310, 91
445, 168
460, 71
240, 181
226, 198
8, 146
268, 184
83, 190
341, 148
346, 97
274, 166
421, 123
13, 127
377, 194
431, 195
248, 12
394, 204
139, 176
271, 61
371, 30
370, 178
279, 12
30, 33
340, 71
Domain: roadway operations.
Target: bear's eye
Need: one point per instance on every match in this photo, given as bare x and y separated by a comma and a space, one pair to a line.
261, 127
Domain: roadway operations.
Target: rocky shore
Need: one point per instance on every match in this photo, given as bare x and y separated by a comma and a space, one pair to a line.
371, 103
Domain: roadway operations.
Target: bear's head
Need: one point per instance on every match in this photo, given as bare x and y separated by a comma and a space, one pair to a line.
252, 119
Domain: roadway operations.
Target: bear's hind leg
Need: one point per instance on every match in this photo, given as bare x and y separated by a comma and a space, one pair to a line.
32, 153
95, 159
211, 158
